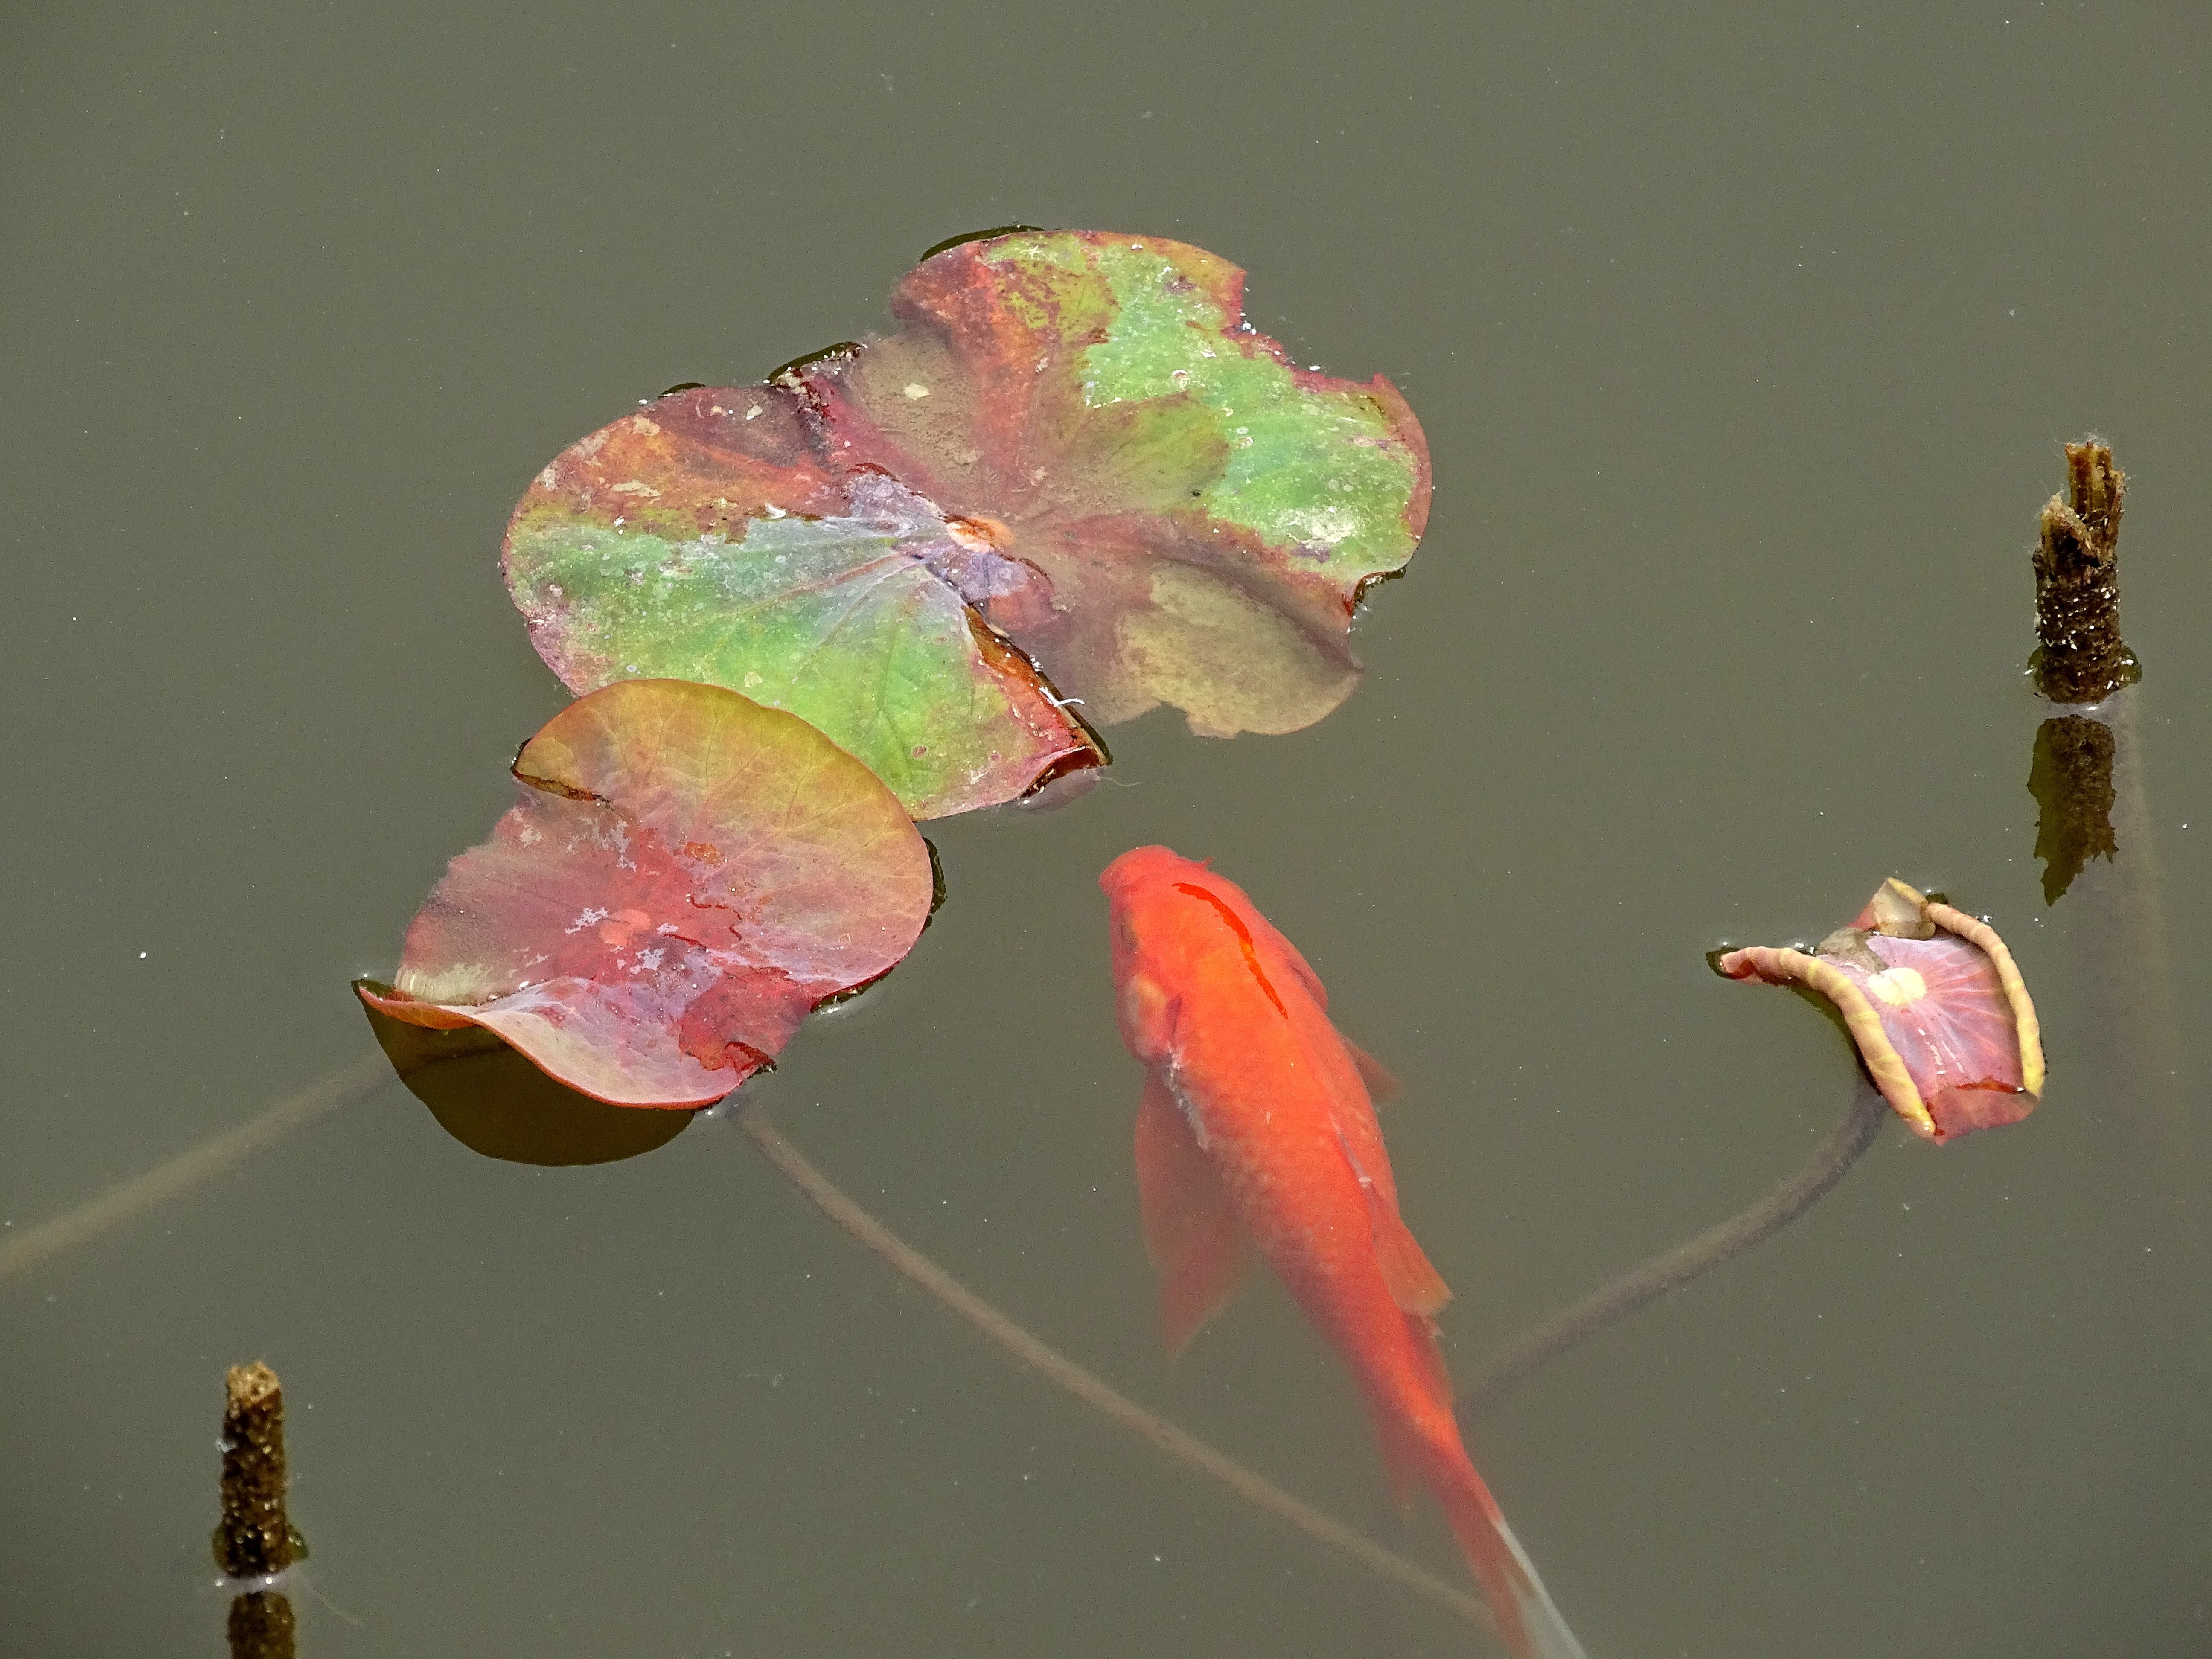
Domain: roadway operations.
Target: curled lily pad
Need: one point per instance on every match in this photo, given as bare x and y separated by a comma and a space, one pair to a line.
686, 876
494, 1102
1932, 998
1075, 455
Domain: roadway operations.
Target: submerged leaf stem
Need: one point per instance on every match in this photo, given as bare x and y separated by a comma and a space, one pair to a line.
1519, 1358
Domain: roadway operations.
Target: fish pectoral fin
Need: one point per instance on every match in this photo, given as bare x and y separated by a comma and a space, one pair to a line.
1147, 1018
1381, 1085
1191, 1231
1415, 1284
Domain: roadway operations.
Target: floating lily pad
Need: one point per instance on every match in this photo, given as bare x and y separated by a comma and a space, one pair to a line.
1203, 511
1934, 1003
1075, 455
698, 540
686, 875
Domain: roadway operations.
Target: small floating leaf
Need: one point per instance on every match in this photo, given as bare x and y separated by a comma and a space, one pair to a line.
686, 875
1932, 998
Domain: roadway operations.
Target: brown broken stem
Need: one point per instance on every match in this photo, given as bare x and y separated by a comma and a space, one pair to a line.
255, 1539
1514, 1363
2079, 656
1057, 1367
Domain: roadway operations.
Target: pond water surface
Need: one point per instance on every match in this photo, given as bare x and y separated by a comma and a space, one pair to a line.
1745, 339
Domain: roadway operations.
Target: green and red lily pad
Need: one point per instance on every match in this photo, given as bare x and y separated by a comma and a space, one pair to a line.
1934, 1001
686, 876
1074, 473
698, 539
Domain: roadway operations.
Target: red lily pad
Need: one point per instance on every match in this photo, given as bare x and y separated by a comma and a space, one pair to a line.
1934, 1003
1074, 456
686, 876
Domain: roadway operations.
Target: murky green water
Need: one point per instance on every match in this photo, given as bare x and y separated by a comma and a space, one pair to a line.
1745, 344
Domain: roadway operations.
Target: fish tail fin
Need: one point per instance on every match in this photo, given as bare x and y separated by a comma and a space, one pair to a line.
1529, 1624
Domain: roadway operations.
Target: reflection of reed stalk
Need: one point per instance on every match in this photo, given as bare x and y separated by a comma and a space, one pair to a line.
2120, 919
1512, 1364
1057, 1367
119, 1203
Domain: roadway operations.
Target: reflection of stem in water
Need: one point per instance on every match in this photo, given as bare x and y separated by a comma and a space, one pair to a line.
2071, 778
254, 1538
1512, 1365
1057, 1367
2087, 779
260, 1627
120, 1203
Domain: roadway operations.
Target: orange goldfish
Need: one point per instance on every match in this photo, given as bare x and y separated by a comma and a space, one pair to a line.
1257, 1123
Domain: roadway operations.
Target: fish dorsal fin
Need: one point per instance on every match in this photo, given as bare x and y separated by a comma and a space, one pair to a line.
1191, 1230
1381, 1085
